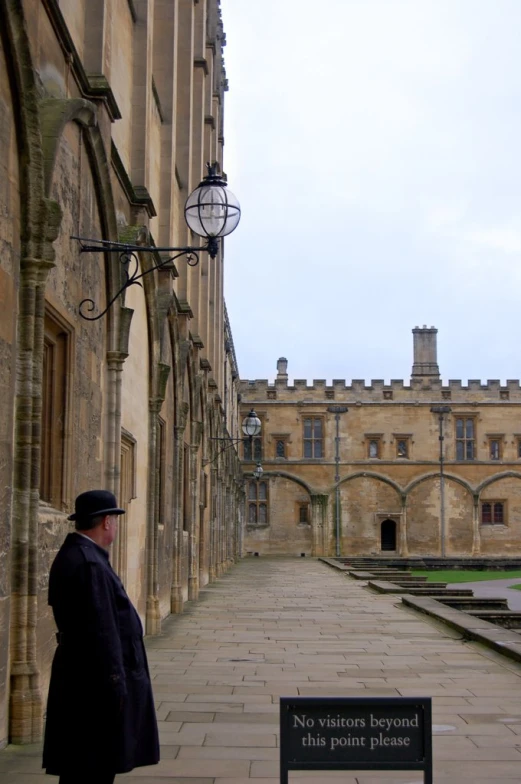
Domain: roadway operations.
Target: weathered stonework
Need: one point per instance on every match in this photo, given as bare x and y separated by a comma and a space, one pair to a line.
94, 131
405, 490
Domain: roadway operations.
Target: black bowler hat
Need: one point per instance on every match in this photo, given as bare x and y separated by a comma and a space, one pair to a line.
94, 503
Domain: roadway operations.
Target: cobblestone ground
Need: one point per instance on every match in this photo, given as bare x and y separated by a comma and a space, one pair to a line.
285, 627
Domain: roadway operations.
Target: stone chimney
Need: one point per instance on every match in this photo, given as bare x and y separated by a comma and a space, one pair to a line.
282, 369
425, 353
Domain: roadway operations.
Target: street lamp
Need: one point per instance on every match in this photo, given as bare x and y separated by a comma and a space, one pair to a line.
251, 427
441, 411
211, 211
337, 410
257, 474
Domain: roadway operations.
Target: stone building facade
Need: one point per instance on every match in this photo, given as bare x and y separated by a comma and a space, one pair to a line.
109, 110
356, 469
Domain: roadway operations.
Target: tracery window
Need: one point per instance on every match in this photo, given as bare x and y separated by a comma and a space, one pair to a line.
57, 362
257, 503
253, 449
493, 513
313, 437
465, 438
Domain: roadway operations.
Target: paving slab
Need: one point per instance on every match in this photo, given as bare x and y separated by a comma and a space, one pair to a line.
291, 627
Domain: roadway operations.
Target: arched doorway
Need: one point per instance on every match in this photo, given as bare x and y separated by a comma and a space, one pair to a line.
388, 535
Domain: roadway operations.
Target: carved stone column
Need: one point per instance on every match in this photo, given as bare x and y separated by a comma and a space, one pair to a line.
115, 361
153, 615
319, 524
240, 507
226, 526
212, 566
404, 546
476, 538
193, 542
219, 529
26, 703
176, 590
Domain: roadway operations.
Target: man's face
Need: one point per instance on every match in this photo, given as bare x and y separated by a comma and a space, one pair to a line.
112, 528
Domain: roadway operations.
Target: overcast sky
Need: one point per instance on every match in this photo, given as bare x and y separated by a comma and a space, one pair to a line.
374, 146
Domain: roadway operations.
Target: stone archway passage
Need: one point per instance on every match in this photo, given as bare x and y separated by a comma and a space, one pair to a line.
388, 535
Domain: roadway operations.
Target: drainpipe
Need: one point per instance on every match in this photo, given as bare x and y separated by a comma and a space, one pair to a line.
441, 411
337, 410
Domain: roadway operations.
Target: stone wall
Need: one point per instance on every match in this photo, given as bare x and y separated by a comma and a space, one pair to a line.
385, 484
9, 280
108, 112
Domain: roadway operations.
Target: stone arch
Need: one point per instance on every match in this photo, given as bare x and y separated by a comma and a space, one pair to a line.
499, 536
491, 479
291, 477
179, 349
174, 340
203, 507
429, 532
203, 415
185, 435
189, 386
283, 533
34, 205
158, 373
436, 475
55, 114
39, 225
369, 475
363, 499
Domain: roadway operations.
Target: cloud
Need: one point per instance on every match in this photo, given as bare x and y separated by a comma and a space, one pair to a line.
373, 145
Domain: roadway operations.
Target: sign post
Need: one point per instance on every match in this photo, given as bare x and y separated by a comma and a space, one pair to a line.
355, 733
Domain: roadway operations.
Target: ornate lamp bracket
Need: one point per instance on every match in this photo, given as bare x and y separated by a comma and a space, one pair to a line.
128, 258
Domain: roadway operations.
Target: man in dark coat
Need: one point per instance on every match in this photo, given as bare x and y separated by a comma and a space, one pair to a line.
100, 712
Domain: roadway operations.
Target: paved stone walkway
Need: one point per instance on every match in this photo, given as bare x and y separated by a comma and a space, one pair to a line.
275, 627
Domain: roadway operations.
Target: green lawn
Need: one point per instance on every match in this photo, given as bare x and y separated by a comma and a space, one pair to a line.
465, 576
517, 587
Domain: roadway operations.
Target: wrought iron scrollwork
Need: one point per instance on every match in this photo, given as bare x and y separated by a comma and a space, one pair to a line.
128, 257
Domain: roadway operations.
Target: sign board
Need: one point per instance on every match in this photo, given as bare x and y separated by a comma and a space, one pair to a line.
355, 733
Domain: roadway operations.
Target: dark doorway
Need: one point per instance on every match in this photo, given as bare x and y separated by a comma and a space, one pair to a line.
388, 535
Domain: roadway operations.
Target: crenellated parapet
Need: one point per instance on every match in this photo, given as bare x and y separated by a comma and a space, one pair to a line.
418, 390
425, 385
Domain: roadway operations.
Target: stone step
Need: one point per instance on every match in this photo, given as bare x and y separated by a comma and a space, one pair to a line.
475, 603
413, 584
393, 573
507, 619
386, 586
435, 593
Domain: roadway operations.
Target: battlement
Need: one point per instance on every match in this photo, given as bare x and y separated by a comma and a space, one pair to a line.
417, 389
425, 384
